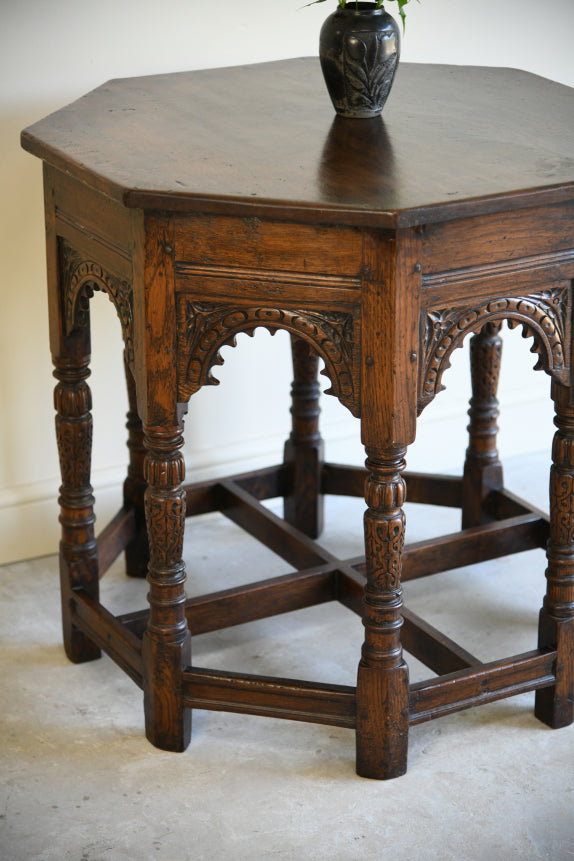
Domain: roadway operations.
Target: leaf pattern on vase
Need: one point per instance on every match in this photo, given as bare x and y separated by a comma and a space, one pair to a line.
370, 61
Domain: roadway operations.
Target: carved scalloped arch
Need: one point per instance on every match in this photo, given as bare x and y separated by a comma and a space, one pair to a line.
82, 277
205, 327
543, 316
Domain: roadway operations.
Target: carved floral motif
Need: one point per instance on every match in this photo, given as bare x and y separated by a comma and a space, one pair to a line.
74, 438
562, 486
370, 62
384, 523
385, 493
544, 316
165, 516
384, 543
205, 327
559, 600
562, 501
73, 403
81, 278
165, 508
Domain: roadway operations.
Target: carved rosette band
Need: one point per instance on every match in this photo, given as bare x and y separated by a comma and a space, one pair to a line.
544, 316
205, 327
165, 504
384, 521
81, 278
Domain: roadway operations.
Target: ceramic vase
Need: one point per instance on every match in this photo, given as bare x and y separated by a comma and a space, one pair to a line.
359, 49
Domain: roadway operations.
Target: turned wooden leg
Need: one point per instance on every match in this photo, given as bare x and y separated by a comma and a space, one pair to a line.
78, 549
383, 677
137, 552
482, 468
555, 705
166, 642
304, 448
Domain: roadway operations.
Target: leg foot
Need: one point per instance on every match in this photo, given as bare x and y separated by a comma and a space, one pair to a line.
168, 723
555, 706
382, 722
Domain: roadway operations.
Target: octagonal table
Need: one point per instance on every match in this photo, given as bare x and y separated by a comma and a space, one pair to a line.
210, 203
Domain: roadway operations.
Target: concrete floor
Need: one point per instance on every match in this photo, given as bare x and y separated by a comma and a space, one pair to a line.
80, 782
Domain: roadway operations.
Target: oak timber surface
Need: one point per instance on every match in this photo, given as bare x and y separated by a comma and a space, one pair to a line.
455, 139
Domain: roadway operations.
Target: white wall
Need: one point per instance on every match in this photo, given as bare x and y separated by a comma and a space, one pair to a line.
51, 53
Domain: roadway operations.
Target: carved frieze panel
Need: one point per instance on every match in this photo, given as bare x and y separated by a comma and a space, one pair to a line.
80, 279
205, 327
544, 316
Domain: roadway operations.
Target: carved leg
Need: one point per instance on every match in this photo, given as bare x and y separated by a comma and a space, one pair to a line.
78, 549
137, 552
304, 448
166, 642
383, 677
482, 468
555, 706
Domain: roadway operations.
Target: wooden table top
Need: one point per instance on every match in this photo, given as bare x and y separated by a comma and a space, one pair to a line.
263, 140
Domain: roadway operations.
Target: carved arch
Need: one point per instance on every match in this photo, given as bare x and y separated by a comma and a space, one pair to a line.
81, 278
544, 316
205, 327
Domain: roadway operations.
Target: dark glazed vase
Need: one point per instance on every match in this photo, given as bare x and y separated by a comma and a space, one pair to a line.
359, 48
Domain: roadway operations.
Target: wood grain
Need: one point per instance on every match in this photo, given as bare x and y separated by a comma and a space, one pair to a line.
261, 141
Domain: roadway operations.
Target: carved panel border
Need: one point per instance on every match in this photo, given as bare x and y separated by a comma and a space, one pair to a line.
205, 327
544, 316
81, 277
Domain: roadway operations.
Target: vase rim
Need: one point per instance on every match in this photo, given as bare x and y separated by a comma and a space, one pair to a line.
362, 6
